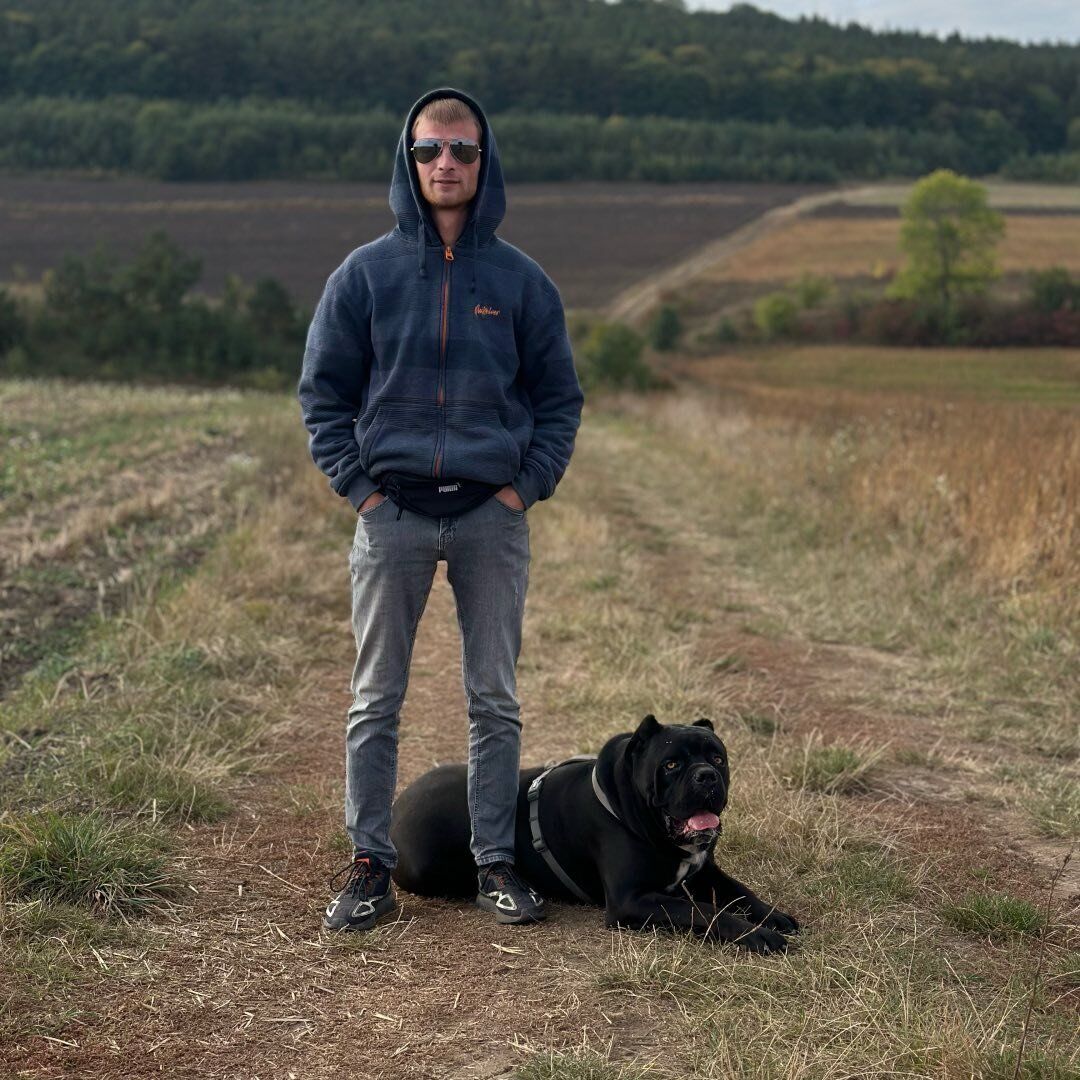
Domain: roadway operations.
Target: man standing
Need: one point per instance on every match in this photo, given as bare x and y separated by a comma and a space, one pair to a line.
439, 390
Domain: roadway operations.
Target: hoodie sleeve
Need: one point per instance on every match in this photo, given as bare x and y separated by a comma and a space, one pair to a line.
337, 364
548, 375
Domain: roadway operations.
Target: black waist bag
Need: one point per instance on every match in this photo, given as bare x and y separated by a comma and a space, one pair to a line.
434, 496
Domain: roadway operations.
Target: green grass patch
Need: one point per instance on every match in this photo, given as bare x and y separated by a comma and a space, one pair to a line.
993, 915
602, 582
863, 879
760, 723
1056, 808
1046, 376
88, 860
830, 770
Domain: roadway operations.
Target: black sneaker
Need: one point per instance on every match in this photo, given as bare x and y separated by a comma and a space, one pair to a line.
367, 896
503, 892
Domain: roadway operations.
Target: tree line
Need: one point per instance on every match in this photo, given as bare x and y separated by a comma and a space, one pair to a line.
826, 100
252, 140
101, 318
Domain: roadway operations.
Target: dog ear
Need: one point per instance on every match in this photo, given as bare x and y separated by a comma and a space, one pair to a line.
703, 723
645, 731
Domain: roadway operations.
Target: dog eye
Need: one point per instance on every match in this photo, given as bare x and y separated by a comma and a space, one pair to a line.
669, 765
718, 758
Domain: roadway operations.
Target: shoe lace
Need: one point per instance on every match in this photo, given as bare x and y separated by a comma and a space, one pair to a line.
360, 870
504, 876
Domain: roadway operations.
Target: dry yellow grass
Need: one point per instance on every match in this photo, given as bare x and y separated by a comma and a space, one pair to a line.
997, 482
1002, 482
840, 247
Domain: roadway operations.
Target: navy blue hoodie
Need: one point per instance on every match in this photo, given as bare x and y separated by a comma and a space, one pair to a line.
441, 362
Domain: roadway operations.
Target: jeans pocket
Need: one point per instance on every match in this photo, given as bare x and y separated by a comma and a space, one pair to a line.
371, 510
508, 509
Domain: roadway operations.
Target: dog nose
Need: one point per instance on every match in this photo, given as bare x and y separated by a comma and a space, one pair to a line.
704, 776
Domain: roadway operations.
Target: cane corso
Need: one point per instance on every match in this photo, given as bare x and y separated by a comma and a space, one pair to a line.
637, 837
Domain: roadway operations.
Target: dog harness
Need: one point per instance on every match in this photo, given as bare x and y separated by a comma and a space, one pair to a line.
534, 822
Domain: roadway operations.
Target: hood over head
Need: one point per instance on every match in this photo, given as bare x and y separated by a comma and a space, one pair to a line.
412, 210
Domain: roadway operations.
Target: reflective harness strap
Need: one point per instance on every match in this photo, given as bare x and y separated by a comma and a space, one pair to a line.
538, 841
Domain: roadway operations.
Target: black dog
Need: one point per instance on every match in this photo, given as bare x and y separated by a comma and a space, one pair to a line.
636, 836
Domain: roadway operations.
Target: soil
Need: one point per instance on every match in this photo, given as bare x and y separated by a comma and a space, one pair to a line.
593, 239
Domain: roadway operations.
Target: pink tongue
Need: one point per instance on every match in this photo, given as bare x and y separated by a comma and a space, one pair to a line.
702, 821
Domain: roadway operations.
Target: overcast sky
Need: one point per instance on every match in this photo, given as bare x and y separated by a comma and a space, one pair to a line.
1035, 20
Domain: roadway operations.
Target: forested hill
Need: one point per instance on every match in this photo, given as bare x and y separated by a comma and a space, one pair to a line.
741, 93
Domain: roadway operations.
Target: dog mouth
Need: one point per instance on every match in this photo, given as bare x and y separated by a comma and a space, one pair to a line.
702, 826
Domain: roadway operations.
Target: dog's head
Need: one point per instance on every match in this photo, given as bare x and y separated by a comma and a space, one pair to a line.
681, 770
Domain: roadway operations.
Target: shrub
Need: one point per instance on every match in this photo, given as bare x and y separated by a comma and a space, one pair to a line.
776, 315
727, 331
665, 328
12, 323
161, 274
1054, 290
611, 356
106, 320
271, 310
812, 289
898, 322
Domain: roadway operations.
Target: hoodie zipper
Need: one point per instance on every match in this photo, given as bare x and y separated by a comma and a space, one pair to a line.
448, 258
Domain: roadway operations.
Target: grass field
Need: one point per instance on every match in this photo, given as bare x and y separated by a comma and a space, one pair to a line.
1042, 376
867, 579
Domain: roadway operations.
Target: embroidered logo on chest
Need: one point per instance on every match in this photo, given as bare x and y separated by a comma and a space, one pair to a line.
482, 309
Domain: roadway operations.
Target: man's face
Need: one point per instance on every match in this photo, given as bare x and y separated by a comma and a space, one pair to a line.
446, 182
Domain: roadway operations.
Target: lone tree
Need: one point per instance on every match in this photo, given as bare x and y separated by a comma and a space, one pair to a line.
949, 235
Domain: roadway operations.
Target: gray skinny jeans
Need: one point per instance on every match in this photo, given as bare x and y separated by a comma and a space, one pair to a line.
392, 564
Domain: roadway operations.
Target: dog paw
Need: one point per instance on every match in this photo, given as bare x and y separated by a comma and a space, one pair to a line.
774, 920
763, 941
781, 921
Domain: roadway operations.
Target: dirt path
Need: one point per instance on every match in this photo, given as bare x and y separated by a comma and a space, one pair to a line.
244, 983
634, 304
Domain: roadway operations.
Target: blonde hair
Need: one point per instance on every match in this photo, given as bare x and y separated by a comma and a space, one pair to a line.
447, 110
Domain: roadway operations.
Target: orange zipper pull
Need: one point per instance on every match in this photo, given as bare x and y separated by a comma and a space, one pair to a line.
449, 254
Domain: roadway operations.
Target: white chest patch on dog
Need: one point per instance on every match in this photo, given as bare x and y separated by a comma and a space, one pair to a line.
687, 867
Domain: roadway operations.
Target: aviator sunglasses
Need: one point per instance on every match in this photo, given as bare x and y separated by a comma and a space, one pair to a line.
427, 150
